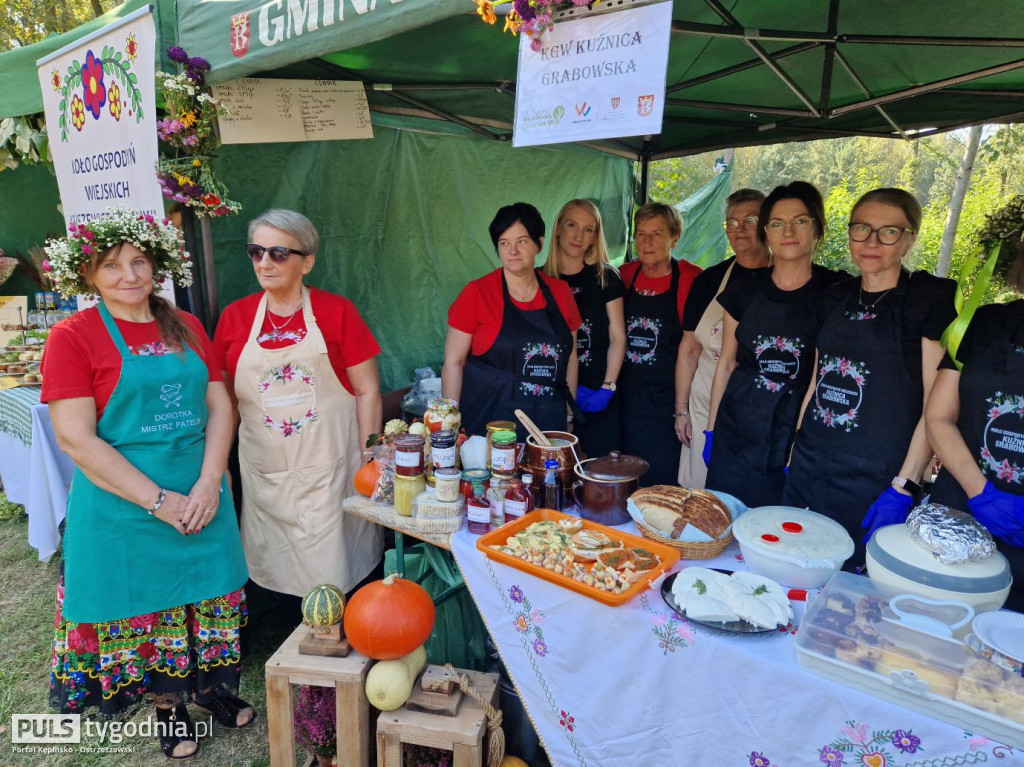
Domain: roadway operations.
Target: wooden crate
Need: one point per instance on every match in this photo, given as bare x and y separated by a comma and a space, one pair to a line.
462, 734
287, 667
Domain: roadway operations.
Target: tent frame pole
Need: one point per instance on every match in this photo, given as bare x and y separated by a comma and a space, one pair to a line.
737, 68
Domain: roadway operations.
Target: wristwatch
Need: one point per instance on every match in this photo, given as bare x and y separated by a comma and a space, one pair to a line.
609, 385
907, 484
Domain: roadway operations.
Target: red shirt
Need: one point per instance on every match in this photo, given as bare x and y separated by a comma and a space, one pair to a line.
81, 360
349, 340
480, 307
652, 286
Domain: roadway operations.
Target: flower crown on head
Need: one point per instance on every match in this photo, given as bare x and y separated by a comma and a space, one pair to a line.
159, 238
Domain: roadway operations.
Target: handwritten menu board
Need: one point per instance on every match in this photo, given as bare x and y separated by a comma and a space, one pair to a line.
262, 110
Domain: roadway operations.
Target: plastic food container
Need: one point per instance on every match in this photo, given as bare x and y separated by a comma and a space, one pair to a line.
894, 558
795, 547
903, 648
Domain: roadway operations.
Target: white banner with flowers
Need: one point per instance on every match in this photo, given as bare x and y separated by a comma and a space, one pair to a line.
99, 98
602, 76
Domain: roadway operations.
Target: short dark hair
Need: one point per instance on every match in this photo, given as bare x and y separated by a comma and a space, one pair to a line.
806, 193
741, 196
517, 213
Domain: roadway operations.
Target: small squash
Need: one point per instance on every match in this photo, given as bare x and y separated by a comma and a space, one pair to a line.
389, 683
513, 761
322, 607
387, 619
366, 478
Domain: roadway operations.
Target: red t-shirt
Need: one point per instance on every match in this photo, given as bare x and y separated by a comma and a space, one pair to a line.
649, 286
81, 360
349, 340
479, 308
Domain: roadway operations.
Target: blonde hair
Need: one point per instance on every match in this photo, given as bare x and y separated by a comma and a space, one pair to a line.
597, 253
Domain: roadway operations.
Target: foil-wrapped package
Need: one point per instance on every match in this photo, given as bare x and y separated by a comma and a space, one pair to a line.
951, 536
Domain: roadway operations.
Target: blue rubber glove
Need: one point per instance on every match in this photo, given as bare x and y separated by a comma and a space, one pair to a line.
593, 400
891, 508
706, 452
1001, 512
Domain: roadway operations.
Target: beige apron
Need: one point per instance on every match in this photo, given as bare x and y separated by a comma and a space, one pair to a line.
298, 446
692, 471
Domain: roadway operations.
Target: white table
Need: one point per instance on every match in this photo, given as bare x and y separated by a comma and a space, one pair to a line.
636, 685
35, 472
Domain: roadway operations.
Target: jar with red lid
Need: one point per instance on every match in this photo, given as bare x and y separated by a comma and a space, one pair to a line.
409, 455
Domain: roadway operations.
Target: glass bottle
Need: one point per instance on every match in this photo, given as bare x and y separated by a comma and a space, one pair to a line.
531, 494
478, 511
516, 501
551, 491
496, 499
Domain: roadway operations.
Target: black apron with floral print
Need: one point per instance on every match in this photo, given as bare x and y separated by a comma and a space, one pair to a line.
757, 415
863, 413
991, 422
647, 381
524, 368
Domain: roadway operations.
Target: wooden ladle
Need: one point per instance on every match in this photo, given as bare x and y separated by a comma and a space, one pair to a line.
530, 426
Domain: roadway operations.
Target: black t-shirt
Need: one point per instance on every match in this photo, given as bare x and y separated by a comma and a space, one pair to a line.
992, 323
928, 309
705, 288
586, 279
815, 294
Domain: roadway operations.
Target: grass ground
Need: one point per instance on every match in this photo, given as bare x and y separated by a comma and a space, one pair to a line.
27, 589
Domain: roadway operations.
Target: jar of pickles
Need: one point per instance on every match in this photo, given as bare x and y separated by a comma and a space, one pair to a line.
443, 415
409, 455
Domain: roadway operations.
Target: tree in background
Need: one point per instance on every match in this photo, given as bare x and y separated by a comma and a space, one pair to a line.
28, 21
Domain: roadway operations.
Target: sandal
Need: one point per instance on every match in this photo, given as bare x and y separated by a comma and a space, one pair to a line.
226, 709
171, 720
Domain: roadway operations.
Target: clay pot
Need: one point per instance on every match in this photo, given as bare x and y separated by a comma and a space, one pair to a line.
562, 450
605, 484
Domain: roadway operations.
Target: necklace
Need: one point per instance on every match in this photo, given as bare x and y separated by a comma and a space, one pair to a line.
524, 298
873, 304
278, 331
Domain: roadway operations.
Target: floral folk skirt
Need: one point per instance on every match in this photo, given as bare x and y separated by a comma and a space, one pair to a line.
112, 666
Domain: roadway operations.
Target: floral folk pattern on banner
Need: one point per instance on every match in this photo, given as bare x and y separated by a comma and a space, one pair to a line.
83, 88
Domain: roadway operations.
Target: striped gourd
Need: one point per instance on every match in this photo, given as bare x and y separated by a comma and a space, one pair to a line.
323, 606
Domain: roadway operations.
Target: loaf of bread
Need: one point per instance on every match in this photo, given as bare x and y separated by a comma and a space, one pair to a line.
670, 509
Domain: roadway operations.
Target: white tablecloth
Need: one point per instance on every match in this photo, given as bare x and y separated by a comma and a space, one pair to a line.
37, 476
636, 685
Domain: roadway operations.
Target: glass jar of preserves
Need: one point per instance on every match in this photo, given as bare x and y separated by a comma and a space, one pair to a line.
442, 449
406, 490
443, 415
447, 484
469, 476
409, 455
503, 452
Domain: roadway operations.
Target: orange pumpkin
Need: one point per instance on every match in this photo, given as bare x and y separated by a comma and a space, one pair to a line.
389, 619
366, 479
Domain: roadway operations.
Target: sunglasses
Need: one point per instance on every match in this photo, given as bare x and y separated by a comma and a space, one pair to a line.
277, 253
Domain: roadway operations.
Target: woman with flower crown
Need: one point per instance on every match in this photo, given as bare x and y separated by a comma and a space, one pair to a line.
151, 597
301, 366
975, 413
861, 447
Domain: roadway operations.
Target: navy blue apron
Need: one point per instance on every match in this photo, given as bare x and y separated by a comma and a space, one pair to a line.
524, 368
992, 425
647, 383
858, 425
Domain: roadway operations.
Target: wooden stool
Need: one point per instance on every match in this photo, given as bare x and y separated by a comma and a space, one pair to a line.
462, 734
346, 675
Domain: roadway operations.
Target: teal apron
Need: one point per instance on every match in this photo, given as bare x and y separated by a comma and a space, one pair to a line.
119, 560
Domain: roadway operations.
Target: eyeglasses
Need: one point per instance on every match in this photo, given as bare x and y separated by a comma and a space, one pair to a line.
798, 224
277, 253
887, 235
732, 224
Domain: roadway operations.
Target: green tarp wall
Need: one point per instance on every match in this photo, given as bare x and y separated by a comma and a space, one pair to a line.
28, 215
403, 219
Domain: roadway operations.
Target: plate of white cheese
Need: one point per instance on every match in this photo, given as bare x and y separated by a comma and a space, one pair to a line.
738, 603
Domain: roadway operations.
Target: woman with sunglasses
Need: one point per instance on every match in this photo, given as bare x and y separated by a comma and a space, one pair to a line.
703, 318
771, 321
579, 255
861, 447
301, 365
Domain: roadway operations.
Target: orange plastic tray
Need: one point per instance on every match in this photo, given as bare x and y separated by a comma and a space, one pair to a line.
668, 555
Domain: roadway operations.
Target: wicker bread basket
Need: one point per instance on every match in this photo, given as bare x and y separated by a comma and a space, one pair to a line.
687, 549
698, 507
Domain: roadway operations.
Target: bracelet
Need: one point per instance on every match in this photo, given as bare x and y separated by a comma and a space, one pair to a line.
682, 412
161, 496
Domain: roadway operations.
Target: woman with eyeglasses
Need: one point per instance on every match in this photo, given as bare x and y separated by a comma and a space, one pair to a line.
861, 447
579, 256
656, 289
301, 365
974, 418
771, 322
512, 334
703, 318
